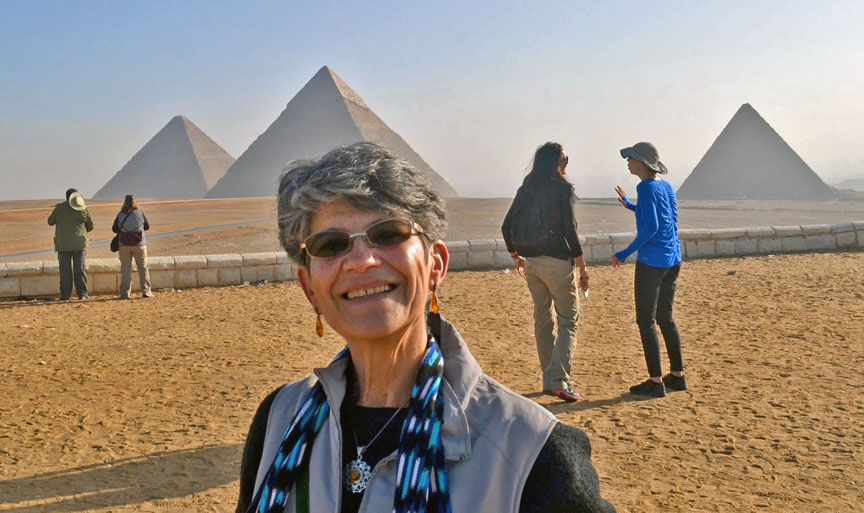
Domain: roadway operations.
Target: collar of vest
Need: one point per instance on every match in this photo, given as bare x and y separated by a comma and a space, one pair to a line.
461, 375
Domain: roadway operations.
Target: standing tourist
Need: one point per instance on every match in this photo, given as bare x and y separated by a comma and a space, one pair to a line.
540, 233
657, 266
130, 225
71, 221
403, 419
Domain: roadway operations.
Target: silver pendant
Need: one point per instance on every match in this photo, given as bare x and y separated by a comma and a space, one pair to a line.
357, 474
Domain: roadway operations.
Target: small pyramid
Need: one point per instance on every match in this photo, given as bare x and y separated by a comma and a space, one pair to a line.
749, 160
180, 161
325, 114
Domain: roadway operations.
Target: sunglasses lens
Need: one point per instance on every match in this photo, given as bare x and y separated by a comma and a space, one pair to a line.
335, 242
328, 244
389, 232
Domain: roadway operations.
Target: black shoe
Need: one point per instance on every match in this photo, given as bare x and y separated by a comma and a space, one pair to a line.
675, 383
649, 387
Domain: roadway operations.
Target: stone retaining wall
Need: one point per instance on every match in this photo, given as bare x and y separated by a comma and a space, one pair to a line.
29, 279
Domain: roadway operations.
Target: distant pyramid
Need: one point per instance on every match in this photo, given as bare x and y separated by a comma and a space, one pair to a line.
856, 184
180, 161
750, 160
325, 114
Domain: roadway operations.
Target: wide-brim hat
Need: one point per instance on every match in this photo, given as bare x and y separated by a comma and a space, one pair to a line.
76, 201
647, 154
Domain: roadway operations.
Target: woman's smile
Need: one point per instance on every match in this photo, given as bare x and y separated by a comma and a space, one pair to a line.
366, 292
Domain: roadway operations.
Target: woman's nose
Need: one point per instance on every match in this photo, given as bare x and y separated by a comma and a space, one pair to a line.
360, 256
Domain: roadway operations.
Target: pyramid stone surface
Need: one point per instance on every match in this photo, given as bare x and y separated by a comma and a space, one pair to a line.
180, 161
750, 160
325, 114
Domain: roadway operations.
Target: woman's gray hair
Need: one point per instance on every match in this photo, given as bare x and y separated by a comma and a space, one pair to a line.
370, 178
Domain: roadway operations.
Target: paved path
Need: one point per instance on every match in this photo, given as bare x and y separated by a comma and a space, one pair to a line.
98, 243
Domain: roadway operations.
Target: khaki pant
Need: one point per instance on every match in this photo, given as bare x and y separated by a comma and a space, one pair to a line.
140, 255
552, 283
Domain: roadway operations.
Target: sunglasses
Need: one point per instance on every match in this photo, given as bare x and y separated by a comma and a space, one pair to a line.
565, 159
384, 233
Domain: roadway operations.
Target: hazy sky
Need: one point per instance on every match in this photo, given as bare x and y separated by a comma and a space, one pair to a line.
473, 86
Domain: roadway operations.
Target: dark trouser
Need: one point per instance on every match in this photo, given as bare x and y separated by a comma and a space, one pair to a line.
72, 264
655, 292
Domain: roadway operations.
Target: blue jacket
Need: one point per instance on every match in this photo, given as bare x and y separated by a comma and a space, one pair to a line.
656, 225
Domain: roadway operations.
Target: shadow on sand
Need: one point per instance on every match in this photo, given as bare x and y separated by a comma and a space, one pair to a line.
124, 482
562, 407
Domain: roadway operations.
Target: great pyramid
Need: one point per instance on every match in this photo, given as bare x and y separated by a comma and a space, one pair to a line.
325, 114
180, 161
749, 160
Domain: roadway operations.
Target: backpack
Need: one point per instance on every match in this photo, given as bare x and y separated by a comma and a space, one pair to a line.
530, 233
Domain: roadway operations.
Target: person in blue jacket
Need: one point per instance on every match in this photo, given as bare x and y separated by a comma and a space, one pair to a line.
658, 263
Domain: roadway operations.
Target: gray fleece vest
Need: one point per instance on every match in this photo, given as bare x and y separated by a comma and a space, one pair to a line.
491, 438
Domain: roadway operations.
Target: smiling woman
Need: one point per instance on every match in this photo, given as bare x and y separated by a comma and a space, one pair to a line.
403, 419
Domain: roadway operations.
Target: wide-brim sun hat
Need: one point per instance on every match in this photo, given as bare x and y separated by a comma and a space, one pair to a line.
76, 201
647, 154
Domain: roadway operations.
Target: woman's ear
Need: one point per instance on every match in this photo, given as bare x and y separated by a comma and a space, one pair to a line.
306, 284
440, 258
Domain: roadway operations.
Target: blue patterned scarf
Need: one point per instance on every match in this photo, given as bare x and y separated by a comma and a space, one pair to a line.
421, 476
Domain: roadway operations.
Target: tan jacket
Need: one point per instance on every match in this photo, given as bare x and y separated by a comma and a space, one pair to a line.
491, 438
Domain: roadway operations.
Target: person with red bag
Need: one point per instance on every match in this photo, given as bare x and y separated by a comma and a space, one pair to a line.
130, 225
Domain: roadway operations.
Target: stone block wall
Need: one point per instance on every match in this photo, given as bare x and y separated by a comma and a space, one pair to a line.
33, 279
30, 279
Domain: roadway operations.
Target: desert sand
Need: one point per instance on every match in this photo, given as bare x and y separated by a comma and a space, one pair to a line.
23, 224
126, 406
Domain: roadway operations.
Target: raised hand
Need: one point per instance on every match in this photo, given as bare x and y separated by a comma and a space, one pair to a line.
621, 195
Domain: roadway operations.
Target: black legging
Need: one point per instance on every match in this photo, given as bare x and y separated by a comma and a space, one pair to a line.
654, 289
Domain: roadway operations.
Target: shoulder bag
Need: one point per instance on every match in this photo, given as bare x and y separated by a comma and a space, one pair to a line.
115, 242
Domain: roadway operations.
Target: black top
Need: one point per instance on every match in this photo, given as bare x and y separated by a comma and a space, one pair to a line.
562, 479
560, 213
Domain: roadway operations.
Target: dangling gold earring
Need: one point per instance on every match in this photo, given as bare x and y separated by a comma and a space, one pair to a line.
433, 305
319, 326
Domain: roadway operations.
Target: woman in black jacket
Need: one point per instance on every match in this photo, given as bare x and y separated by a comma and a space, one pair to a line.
540, 233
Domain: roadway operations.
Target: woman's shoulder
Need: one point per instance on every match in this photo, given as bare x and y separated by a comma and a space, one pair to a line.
284, 397
652, 186
298, 388
495, 407
562, 478
558, 191
561, 185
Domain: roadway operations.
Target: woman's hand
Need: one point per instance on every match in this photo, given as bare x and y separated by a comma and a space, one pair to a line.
520, 266
621, 195
583, 279
615, 261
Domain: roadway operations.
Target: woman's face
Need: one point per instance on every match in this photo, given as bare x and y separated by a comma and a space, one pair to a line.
634, 166
370, 292
563, 160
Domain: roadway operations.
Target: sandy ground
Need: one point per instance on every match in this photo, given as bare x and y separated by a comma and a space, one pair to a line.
25, 227
143, 406
23, 223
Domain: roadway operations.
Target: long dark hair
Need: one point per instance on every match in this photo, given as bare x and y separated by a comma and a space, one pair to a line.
129, 204
544, 169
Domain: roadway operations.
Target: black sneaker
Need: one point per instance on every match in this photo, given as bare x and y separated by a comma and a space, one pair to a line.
675, 383
649, 387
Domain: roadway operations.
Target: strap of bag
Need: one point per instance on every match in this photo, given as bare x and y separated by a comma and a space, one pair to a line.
120, 226
124, 222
